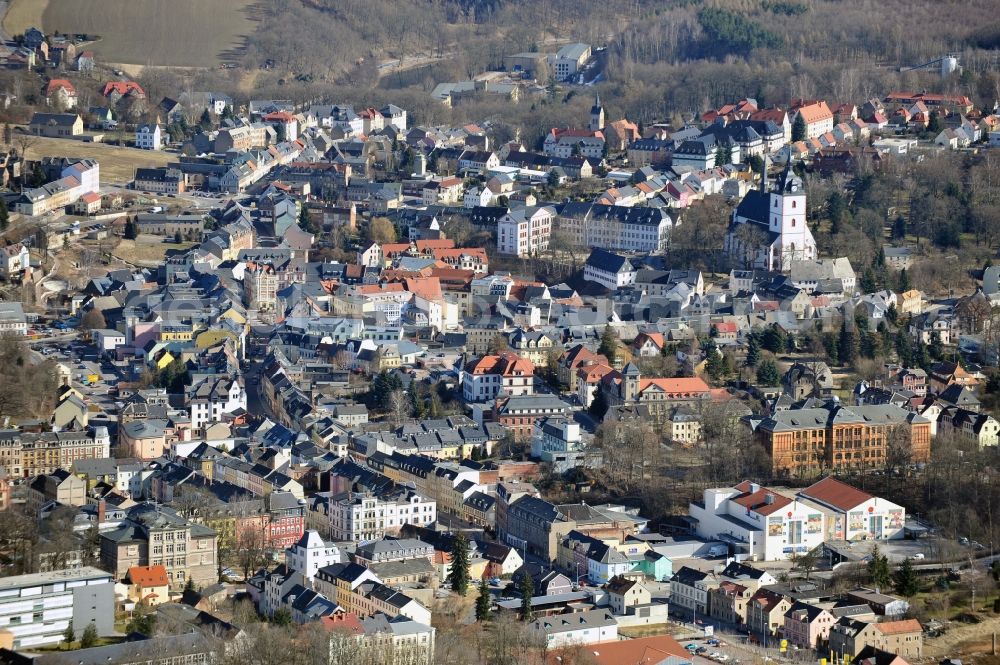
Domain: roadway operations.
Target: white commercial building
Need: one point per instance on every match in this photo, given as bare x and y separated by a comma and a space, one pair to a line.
360, 517
36, 609
769, 524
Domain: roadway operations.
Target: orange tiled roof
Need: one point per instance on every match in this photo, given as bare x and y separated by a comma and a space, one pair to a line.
816, 112
835, 493
757, 501
690, 384
147, 576
897, 627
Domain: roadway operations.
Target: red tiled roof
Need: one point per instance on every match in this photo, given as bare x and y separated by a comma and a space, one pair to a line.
816, 112
655, 337
346, 622
123, 88
505, 364
434, 243
691, 384
640, 651
373, 289
55, 84
777, 116
395, 247
593, 373
835, 493
758, 501
428, 288
897, 627
147, 576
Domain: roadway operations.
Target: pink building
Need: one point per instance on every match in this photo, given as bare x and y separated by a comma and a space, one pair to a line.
808, 626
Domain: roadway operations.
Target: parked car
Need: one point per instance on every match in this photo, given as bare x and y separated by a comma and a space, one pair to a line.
918, 555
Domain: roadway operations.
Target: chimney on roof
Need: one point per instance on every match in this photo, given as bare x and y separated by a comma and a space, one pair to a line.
769, 499
754, 487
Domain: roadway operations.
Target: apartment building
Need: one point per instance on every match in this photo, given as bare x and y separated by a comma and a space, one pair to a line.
484, 378
26, 454
615, 228
36, 609
364, 516
525, 231
153, 535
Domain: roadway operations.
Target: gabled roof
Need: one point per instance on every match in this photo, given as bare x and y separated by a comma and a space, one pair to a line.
836, 494
762, 500
147, 576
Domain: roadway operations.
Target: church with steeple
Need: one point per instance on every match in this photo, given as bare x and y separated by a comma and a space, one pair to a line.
769, 230
596, 115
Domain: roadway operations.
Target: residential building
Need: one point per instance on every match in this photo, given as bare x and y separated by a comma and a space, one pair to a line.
817, 116
850, 637
525, 231
36, 609
612, 271
483, 379
728, 602
152, 535
689, 590
660, 396
519, 413
13, 320
28, 454
526, 521
577, 628
76, 179
14, 259
364, 516
766, 612
60, 486
615, 228
148, 585
557, 440
148, 137
56, 125
808, 626
310, 554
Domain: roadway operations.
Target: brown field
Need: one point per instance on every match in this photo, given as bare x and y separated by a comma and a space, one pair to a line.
117, 164
178, 33
147, 250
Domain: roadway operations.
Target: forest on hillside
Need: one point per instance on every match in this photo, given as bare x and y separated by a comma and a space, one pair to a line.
665, 60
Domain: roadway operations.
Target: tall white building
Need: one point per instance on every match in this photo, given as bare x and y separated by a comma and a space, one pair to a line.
525, 231
212, 398
360, 517
36, 609
148, 137
769, 229
310, 554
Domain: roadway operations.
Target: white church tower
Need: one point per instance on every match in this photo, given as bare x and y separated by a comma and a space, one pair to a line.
769, 228
596, 115
788, 220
